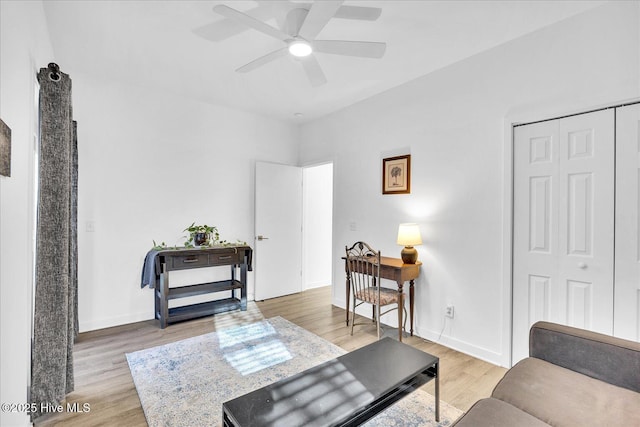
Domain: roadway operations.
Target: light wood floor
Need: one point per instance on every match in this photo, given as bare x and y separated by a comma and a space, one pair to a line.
103, 380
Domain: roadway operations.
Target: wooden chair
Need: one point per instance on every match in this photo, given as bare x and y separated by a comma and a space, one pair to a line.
363, 275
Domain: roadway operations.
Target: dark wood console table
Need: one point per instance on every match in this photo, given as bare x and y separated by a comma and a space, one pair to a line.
396, 270
158, 264
346, 391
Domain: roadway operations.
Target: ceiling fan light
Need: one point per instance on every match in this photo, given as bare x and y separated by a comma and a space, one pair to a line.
300, 49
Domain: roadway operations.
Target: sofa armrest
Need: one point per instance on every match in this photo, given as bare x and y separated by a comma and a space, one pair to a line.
613, 360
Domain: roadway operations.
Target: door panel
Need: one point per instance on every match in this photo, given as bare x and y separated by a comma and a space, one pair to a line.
540, 208
586, 255
563, 225
278, 218
535, 233
580, 207
627, 290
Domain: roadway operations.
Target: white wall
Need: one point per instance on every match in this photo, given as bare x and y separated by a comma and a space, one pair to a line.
150, 164
452, 124
138, 173
317, 225
24, 48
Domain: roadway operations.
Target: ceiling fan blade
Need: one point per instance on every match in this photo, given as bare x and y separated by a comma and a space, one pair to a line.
351, 48
226, 28
218, 31
263, 60
363, 13
314, 72
251, 22
319, 15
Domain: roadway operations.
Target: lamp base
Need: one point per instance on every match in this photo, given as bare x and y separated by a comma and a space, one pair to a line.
409, 255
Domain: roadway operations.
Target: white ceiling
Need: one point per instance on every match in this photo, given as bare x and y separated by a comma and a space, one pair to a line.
156, 44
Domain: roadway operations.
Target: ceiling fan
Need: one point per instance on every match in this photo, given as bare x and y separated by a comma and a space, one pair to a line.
299, 30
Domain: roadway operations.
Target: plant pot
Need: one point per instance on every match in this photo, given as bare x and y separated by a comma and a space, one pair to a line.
200, 239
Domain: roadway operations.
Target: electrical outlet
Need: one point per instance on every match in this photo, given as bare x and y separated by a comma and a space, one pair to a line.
448, 311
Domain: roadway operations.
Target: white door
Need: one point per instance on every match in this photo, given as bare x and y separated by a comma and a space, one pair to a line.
563, 225
627, 290
278, 216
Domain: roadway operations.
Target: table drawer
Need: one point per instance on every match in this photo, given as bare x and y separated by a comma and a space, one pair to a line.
189, 261
224, 258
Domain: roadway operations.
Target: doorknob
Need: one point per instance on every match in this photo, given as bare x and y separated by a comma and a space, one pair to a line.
582, 265
261, 237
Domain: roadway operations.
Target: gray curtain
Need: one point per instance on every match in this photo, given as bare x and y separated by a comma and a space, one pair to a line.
56, 290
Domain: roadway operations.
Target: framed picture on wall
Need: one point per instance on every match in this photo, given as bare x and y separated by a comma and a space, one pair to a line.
5, 149
396, 175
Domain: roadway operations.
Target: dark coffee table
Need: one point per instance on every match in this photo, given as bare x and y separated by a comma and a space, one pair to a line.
346, 391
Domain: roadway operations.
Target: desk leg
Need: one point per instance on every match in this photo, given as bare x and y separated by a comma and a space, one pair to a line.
411, 293
164, 297
348, 292
243, 290
400, 309
438, 391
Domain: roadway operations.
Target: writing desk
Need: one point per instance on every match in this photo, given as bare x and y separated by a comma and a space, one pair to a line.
396, 270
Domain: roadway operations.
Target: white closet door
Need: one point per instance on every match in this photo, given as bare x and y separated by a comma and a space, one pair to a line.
535, 232
563, 225
627, 289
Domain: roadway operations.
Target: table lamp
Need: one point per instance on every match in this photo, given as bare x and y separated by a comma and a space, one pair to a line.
408, 236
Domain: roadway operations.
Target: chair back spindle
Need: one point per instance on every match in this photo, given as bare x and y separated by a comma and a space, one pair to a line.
364, 271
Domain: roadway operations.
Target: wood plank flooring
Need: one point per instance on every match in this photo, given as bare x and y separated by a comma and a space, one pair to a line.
103, 380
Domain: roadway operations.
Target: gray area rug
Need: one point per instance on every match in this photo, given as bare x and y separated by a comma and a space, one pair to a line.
185, 383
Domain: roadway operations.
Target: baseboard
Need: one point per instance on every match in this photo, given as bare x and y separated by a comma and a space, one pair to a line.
315, 285
339, 302
445, 340
93, 325
461, 346
110, 322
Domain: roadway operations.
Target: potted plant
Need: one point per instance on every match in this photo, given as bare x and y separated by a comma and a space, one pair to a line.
201, 235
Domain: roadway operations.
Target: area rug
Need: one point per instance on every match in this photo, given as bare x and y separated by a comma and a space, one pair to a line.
237, 317
185, 383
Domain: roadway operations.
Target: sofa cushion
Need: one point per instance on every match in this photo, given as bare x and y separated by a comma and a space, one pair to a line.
562, 397
496, 413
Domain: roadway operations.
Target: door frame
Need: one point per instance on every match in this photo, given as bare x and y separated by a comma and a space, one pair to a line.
305, 231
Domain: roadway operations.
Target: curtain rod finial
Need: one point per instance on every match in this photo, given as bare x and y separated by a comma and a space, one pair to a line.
55, 70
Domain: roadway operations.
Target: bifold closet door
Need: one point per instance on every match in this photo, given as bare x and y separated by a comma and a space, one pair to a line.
563, 225
627, 268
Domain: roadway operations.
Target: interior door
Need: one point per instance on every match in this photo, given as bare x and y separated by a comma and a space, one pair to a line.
278, 226
563, 225
627, 269
535, 228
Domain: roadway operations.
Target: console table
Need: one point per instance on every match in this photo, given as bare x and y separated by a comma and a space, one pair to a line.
396, 270
159, 263
346, 391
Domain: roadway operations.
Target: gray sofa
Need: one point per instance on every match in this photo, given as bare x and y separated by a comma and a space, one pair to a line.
572, 378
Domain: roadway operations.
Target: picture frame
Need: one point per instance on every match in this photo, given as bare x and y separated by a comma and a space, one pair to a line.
396, 175
5, 149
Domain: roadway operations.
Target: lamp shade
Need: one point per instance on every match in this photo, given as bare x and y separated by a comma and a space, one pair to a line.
409, 235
